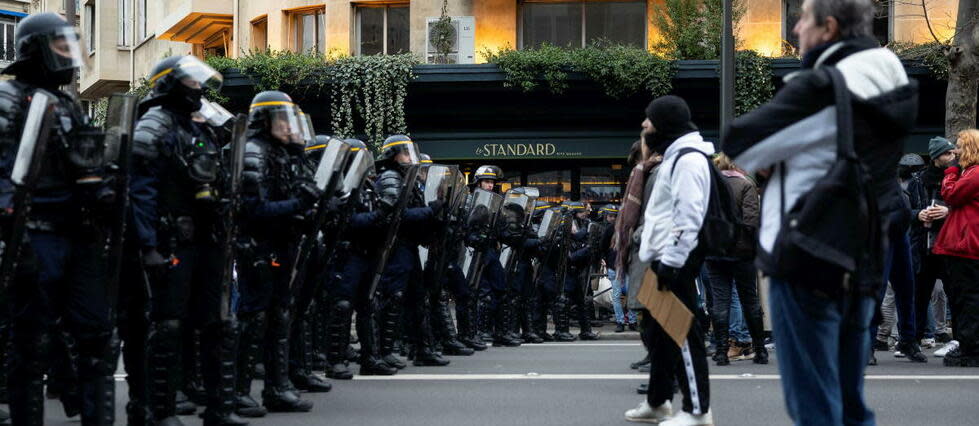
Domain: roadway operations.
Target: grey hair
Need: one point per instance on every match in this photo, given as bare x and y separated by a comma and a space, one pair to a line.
855, 17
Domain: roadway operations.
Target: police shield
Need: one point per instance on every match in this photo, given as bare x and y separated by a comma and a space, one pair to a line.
361, 166
408, 185
480, 222
120, 118
234, 167
26, 171
444, 184
518, 204
595, 232
331, 165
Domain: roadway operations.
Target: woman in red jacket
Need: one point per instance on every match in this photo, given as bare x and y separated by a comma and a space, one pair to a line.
958, 241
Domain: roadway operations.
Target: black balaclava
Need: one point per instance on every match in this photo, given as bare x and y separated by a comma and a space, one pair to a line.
670, 116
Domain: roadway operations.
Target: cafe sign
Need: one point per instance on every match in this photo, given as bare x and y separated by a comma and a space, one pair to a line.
525, 148
519, 150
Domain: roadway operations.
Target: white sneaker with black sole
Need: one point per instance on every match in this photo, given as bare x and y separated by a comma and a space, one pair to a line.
684, 418
949, 347
927, 343
646, 414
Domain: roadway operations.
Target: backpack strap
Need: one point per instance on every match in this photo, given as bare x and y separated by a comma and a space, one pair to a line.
685, 151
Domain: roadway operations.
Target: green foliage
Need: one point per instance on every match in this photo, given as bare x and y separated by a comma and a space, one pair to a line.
691, 29
753, 84
931, 55
621, 70
363, 89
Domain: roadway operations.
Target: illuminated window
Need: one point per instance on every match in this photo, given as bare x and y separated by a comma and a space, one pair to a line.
260, 31
602, 184
554, 186
791, 9
579, 23
382, 29
310, 30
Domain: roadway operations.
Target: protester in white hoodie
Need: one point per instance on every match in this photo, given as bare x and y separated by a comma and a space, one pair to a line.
673, 219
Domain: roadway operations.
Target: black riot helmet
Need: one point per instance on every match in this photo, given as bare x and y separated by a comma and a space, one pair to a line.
48, 50
315, 148
487, 172
178, 83
425, 158
607, 211
398, 150
275, 116
356, 146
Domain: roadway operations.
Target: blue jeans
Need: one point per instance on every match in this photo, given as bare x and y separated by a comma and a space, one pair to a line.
822, 353
619, 286
738, 328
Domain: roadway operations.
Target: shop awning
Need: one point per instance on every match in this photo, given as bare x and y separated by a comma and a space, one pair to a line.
12, 13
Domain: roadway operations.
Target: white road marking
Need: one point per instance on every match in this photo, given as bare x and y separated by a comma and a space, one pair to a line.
546, 376
534, 345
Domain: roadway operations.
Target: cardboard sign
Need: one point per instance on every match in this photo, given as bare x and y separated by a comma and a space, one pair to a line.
666, 308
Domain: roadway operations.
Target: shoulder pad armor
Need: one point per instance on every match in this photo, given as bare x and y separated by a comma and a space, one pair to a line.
150, 129
12, 102
389, 187
253, 171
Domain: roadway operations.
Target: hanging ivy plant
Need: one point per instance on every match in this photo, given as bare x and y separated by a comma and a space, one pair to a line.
753, 84
620, 70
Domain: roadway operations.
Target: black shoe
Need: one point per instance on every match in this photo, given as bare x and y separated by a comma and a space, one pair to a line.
284, 401
393, 361
506, 341
640, 363
454, 347
957, 359
376, 367
597, 323
230, 419
881, 346
310, 383
339, 372
761, 355
619, 328
473, 344
632, 327
720, 357
429, 359
245, 406
564, 336
643, 389
912, 351
485, 337
588, 335
645, 369
531, 338
547, 337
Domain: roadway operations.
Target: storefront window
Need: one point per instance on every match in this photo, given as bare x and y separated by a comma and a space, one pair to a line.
554, 186
601, 185
383, 30
580, 23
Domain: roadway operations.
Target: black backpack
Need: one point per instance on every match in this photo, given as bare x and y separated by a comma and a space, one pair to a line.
719, 232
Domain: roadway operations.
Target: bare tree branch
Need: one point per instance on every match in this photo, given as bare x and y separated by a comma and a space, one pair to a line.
928, 22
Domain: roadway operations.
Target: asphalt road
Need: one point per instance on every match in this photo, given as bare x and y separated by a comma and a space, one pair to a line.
590, 383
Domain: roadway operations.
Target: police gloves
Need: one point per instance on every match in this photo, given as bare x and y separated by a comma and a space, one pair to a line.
666, 276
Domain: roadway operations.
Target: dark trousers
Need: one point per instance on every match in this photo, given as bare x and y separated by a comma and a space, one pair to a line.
687, 364
898, 269
932, 269
725, 275
962, 289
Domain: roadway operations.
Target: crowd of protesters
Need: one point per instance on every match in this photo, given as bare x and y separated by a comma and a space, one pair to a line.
854, 239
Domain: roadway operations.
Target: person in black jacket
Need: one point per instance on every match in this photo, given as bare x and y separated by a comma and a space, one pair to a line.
928, 213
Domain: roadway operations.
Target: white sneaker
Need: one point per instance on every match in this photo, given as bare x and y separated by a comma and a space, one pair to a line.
646, 414
898, 354
684, 418
927, 343
949, 347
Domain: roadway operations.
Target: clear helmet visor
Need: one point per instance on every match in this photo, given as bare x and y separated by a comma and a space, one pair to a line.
307, 131
284, 125
62, 50
407, 153
196, 74
214, 114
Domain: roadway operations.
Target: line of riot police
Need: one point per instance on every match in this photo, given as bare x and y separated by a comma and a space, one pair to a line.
209, 250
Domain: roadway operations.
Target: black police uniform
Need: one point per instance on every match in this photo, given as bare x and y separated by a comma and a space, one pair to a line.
62, 269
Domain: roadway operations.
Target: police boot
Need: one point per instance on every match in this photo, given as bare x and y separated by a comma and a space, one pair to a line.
301, 369
279, 394
133, 332
510, 317
163, 345
484, 318
539, 320
370, 362
219, 343
251, 328
62, 381
389, 332
502, 336
319, 324
446, 329
338, 338
26, 387
192, 383
585, 325
562, 325
422, 337
464, 315
526, 318
4, 351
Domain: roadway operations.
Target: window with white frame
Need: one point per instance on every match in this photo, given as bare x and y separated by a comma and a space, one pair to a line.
141, 32
8, 27
310, 30
582, 22
382, 29
90, 26
125, 9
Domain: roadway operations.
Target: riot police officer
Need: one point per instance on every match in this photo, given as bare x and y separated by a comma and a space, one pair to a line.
60, 271
177, 222
278, 194
402, 280
576, 278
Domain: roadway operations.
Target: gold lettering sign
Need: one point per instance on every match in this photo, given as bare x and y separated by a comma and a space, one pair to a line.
522, 150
